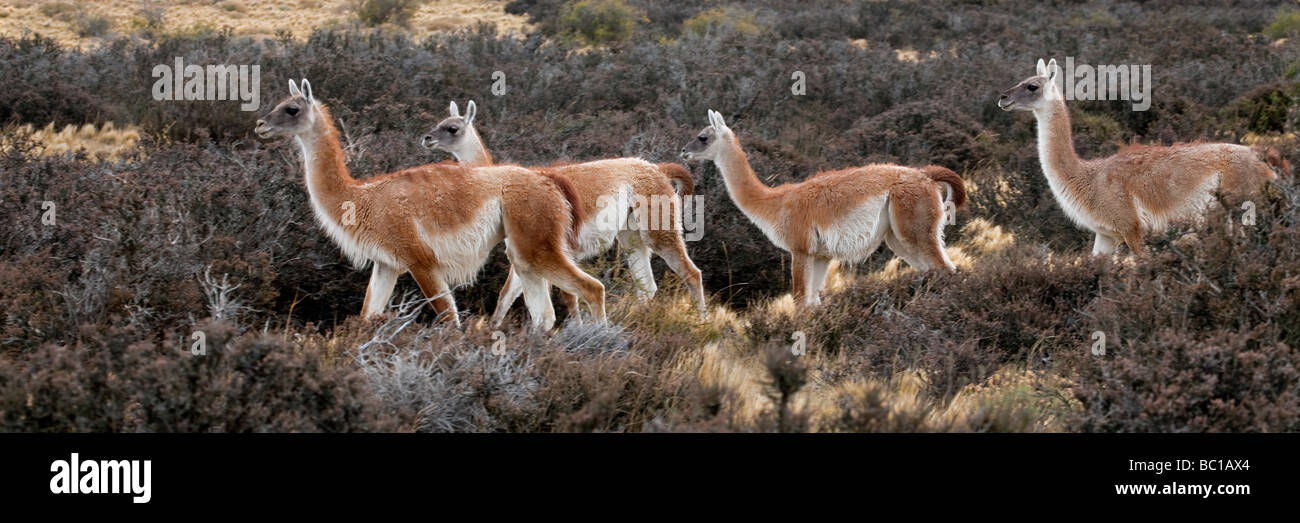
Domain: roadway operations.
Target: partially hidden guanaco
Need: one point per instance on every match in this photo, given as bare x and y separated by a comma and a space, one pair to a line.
438, 222
619, 183
1142, 188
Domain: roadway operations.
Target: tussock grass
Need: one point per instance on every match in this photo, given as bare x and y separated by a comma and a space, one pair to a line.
104, 142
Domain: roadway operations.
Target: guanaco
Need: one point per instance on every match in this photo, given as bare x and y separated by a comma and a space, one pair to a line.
837, 215
620, 189
1142, 188
438, 222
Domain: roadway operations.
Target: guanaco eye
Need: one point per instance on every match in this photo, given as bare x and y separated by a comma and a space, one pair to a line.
704, 139
1031, 87
291, 110
452, 129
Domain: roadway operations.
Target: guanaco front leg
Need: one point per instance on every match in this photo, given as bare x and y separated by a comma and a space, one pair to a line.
799, 277
817, 269
382, 280
1104, 244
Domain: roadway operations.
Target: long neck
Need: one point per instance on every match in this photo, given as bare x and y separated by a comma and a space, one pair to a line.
328, 181
1056, 145
743, 185
474, 153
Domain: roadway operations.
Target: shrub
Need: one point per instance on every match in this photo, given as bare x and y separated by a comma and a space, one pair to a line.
1266, 109
1225, 358
87, 24
379, 12
599, 22
730, 19
1285, 24
121, 380
1222, 381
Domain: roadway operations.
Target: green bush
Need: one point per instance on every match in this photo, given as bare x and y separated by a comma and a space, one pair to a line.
1263, 110
599, 22
1285, 24
379, 12
726, 19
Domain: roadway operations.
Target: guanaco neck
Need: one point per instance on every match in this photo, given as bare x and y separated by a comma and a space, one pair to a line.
1062, 166
749, 193
328, 181
475, 154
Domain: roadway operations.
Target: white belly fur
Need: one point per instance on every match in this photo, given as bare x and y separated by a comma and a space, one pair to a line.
857, 234
461, 253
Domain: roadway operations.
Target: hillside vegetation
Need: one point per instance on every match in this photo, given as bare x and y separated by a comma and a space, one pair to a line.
191, 224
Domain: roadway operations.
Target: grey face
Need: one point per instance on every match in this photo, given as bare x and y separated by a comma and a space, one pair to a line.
290, 118
696, 148
1025, 96
447, 134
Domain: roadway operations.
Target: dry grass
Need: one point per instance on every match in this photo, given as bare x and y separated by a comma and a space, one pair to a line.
257, 18
105, 142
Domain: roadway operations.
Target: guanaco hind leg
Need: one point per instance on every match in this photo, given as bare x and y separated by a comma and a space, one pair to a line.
537, 298
572, 280
435, 288
916, 235
668, 244
1136, 243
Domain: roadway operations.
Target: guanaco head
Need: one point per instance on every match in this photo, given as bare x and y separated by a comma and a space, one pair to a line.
295, 116
455, 133
709, 143
1034, 93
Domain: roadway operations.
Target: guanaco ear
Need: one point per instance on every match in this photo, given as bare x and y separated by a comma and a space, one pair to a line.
1042, 67
1052, 70
293, 88
455, 111
306, 91
716, 120
470, 112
